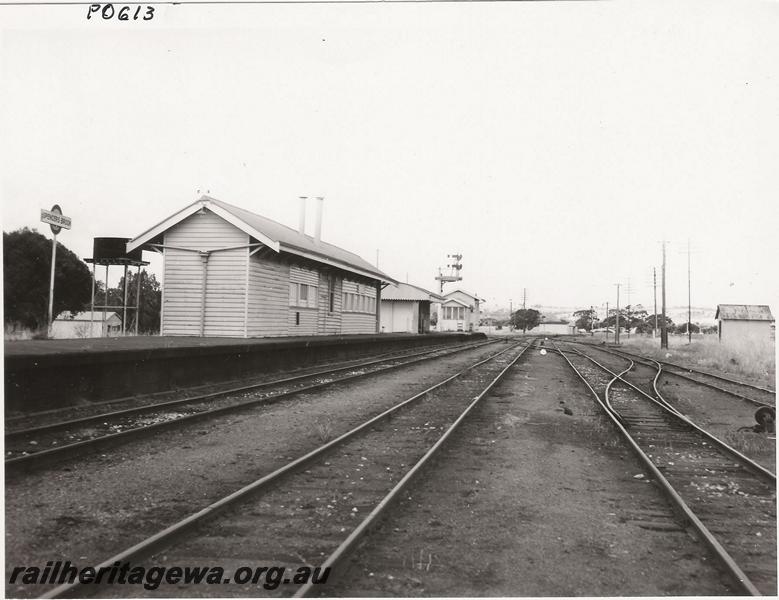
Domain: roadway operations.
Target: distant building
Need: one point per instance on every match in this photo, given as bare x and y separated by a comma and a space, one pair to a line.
744, 322
406, 308
86, 325
230, 272
459, 311
555, 328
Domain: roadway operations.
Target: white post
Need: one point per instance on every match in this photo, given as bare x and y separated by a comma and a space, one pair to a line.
51, 284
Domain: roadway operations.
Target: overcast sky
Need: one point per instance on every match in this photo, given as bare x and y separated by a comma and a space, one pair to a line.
553, 144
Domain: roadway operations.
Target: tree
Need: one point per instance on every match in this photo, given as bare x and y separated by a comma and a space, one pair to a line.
151, 301
634, 316
585, 319
26, 273
647, 325
525, 318
681, 328
629, 317
611, 319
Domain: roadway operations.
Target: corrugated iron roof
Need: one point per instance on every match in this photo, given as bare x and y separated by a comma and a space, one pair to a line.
744, 312
278, 236
456, 301
408, 292
463, 292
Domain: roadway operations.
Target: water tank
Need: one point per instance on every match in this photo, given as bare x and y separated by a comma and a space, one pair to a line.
113, 248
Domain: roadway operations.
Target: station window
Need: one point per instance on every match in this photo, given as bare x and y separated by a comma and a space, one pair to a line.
454, 313
302, 294
359, 302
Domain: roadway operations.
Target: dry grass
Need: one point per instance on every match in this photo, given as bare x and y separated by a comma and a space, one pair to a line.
323, 429
603, 431
750, 443
752, 360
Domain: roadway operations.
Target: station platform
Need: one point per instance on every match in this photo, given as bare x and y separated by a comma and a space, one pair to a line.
46, 374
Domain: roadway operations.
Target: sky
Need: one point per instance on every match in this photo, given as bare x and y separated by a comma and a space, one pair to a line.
553, 144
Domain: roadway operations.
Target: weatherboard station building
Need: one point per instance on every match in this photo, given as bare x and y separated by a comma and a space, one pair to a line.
231, 272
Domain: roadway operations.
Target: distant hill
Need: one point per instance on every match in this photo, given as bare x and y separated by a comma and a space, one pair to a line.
678, 314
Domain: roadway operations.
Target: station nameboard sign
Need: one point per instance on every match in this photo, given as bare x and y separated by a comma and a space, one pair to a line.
55, 219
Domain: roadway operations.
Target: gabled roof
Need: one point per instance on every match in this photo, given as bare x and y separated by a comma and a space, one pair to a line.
744, 312
456, 301
463, 292
408, 292
276, 236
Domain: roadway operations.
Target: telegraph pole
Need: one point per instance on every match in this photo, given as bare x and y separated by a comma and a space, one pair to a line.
616, 327
689, 297
524, 297
511, 315
607, 321
663, 325
654, 280
629, 309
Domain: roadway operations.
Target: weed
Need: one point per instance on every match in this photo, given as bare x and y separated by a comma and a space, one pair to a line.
323, 429
423, 562
750, 443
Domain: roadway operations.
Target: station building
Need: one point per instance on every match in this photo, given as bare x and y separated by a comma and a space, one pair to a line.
744, 322
459, 311
230, 272
406, 308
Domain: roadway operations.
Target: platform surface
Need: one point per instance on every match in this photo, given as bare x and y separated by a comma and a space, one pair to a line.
155, 342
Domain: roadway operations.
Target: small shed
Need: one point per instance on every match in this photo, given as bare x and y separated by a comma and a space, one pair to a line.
459, 311
406, 308
86, 324
744, 322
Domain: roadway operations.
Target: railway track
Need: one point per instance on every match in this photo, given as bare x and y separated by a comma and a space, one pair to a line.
748, 392
311, 512
30, 448
728, 499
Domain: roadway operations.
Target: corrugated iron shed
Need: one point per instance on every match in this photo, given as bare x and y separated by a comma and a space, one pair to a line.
410, 293
744, 312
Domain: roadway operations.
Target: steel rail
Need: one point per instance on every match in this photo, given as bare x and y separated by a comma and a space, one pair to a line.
689, 370
98, 403
28, 461
714, 375
219, 393
346, 546
678, 502
703, 383
662, 401
148, 545
663, 404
